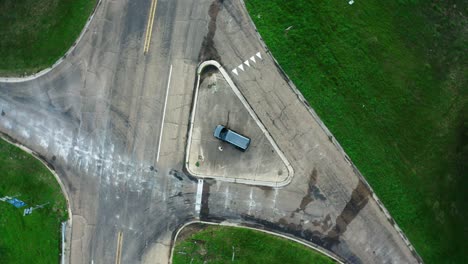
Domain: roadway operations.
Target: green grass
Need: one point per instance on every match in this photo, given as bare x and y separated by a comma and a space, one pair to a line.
34, 238
35, 33
216, 244
389, 78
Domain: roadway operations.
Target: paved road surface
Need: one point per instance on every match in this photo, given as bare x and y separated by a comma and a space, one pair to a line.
96, 118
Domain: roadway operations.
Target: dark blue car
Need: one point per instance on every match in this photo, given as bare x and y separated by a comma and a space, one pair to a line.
232, 137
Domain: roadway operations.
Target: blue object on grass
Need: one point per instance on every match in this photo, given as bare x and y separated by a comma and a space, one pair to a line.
16, 203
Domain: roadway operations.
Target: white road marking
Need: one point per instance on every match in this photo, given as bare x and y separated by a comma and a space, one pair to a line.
164, 113
227, 198
247, 63
274, 197
259, 55
64, 226
199, 196
252, 202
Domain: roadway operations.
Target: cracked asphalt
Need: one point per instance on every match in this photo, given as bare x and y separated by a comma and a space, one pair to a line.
96, 119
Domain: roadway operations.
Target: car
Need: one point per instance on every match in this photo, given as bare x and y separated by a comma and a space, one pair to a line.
232, 137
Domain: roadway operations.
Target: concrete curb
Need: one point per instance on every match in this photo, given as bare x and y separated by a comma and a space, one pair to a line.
64, 255
226, 223
254, 116
334, 141
60, 60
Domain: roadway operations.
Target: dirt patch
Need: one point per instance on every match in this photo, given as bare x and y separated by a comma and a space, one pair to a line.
359, 199
267, 190
304, 202
312, 193
207, 72
297, 230
283, 226
189, 230
205, 210
176, 174
208, 50
313, 178
325, 224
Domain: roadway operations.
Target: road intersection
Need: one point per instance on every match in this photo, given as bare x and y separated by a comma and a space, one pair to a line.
97, 118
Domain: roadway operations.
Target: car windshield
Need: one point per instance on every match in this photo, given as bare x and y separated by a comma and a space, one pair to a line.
223, 132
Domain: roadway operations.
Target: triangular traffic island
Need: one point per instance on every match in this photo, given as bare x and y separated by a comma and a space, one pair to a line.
218, 102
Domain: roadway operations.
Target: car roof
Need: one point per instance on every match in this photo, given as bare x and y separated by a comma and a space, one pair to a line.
237, 139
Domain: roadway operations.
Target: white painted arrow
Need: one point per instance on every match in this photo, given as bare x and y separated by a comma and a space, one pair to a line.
259, 55
247, 63
235, 71
253, 59
241, 67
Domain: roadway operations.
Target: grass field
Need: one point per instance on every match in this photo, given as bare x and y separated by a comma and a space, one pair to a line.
389, 78
35, 33
34, 238
216, 244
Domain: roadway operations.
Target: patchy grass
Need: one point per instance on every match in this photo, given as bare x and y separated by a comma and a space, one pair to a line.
35, 33
389, 78
218, 244
34, 238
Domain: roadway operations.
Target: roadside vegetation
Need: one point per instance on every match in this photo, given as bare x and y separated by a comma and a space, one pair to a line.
36, 33
219, 244
33, 238
389, 78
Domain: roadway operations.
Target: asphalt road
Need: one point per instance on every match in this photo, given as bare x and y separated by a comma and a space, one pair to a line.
97, 118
